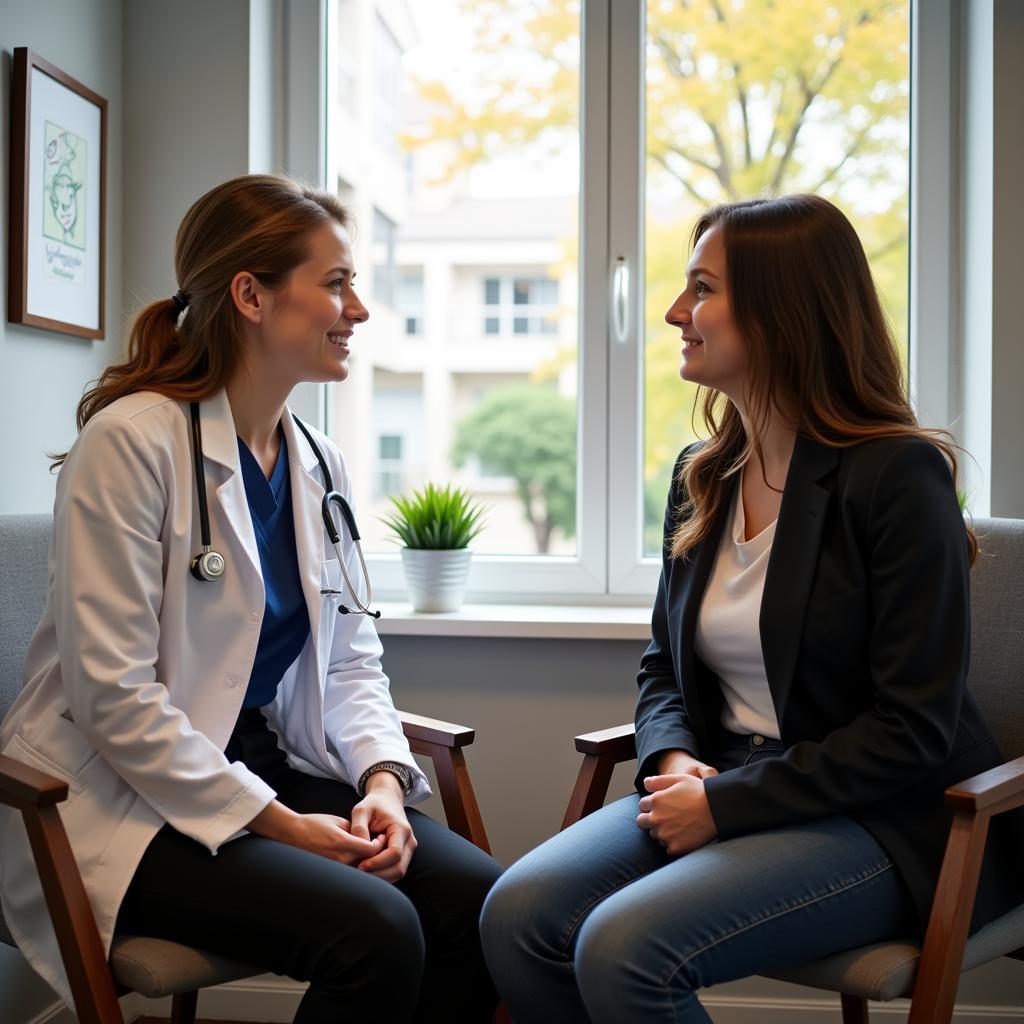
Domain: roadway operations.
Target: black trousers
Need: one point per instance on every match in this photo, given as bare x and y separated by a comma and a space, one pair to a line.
371, 950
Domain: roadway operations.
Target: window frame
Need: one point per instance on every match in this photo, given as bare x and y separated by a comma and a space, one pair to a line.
609, 566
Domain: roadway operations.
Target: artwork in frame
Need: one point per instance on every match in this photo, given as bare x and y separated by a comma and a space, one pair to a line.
57, 243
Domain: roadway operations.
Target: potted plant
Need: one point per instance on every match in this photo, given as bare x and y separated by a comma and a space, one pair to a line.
435, 526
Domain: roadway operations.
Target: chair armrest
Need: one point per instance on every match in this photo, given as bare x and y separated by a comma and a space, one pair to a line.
974, 802
23, 786
442, 742
417, 728
997, 790
618, 743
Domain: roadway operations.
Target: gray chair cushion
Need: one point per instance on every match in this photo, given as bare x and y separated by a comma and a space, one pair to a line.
154, 967
24, 550
887, 970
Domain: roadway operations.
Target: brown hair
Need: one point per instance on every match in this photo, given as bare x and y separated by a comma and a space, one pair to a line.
256, 223
819, 348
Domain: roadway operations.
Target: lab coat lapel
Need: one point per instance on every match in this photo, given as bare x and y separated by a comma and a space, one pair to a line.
220, 446
307, 498
792, 564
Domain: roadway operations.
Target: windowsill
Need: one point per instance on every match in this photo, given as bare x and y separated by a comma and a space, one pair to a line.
562, 622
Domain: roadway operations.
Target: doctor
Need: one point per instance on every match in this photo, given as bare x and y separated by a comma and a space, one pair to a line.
238, 776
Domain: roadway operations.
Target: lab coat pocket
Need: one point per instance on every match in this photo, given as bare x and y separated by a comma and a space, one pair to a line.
330, 577
331, 596
21, 751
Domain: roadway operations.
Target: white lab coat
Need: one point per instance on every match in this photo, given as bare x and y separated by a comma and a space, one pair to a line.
136, 674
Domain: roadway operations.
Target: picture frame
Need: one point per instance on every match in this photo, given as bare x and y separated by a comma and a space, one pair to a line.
57, 237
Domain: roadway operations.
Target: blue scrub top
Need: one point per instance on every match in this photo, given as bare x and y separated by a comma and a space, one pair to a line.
285, 616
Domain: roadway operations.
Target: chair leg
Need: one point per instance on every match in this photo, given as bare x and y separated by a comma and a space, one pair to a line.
183, 1007
855, 1009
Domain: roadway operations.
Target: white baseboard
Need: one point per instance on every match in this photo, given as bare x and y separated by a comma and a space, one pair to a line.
58, 1013
825, 1010
269, 999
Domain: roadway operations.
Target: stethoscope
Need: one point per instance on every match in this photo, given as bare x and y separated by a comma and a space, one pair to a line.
209, 565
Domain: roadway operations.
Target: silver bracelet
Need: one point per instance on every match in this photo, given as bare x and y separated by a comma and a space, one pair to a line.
400, 771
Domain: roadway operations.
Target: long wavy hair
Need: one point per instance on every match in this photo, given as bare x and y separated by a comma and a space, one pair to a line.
256, 223
819, 349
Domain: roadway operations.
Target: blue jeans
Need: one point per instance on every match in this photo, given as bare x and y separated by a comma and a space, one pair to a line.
600, 924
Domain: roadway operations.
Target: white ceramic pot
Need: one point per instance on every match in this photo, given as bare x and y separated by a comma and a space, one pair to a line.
436, 578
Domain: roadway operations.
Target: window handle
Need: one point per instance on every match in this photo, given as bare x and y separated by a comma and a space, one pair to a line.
620, 300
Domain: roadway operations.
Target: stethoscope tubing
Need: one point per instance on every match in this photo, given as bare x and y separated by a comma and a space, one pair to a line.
331, 497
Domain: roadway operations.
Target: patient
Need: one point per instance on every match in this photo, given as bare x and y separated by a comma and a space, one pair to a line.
802, 702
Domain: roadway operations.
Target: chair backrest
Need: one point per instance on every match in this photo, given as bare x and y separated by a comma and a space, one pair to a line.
24, 547
996, 679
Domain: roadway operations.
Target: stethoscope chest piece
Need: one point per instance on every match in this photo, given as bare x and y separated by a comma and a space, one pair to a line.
207, 566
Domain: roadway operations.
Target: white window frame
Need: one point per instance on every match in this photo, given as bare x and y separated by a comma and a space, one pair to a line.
609, 567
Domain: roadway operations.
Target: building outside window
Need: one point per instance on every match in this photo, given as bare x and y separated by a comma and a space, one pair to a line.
520, 305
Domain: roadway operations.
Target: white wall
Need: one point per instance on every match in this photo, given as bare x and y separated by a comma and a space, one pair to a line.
42, 373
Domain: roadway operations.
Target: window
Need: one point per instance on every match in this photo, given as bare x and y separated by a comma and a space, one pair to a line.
387, 85
347, 63
385, 276
484, 400
389, 471
520, 305
410, 299
500, 212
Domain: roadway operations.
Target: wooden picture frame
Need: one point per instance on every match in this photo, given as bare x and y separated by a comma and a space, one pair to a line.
57, 241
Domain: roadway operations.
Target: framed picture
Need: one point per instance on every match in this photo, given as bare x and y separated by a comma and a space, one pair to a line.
57, 257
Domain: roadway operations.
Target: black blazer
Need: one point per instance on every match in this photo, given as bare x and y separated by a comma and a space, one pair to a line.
865, 630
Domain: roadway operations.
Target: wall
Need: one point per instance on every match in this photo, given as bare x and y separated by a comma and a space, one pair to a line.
42, 373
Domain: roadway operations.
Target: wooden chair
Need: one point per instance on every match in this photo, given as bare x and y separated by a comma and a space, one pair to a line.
151, 967
888, 970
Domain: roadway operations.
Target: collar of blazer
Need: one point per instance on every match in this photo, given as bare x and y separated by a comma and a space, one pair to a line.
791, 565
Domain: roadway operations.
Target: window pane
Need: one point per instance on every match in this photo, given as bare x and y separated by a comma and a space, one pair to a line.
384, 271
484, 394
751, 98
391, 446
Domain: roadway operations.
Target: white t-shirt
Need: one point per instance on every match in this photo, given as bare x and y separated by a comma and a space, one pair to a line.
728, 636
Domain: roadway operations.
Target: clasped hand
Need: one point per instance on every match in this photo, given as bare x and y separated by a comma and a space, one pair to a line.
378, 839
675, 810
